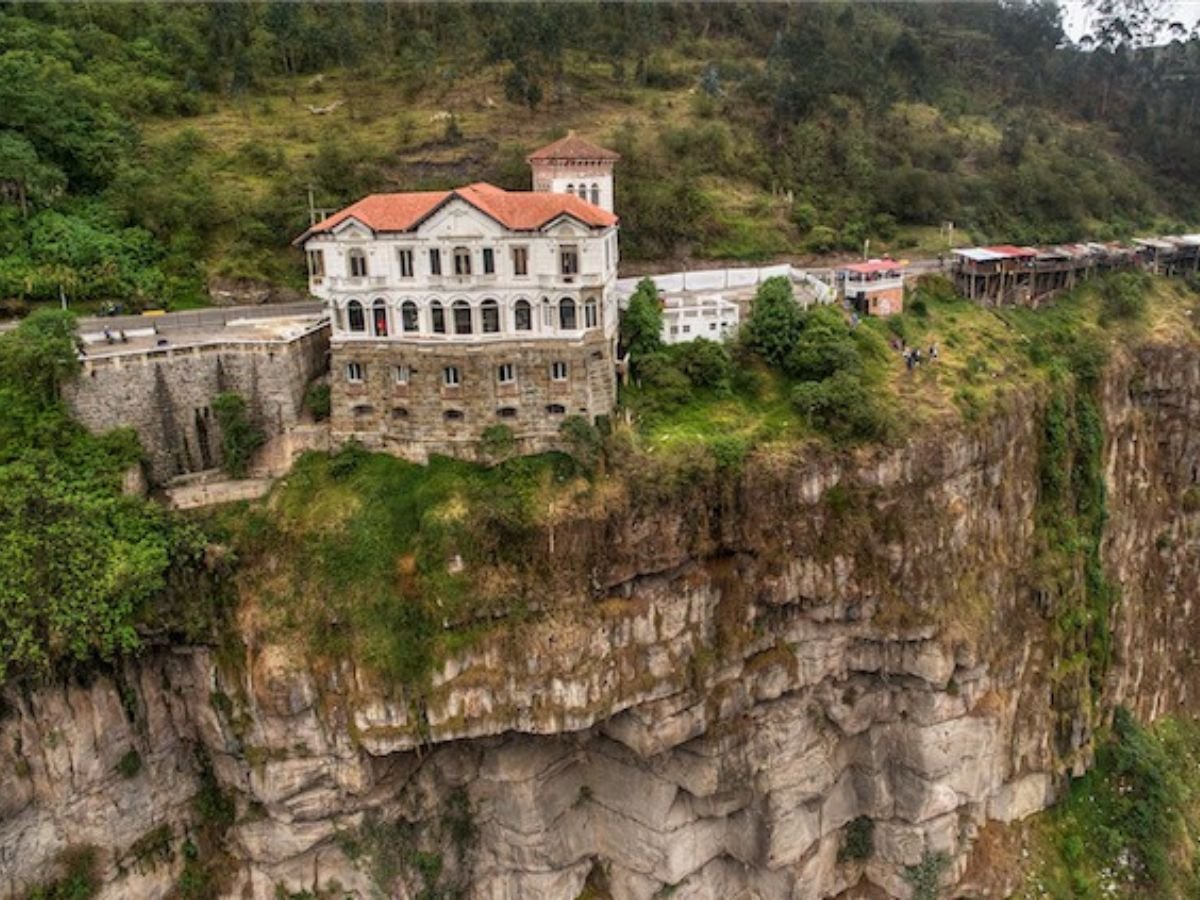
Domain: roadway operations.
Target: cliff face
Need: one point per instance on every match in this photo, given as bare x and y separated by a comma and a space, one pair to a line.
826, 672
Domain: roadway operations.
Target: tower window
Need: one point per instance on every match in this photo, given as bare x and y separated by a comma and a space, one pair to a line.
451, 377
558, 371
354, 372
590, 313
595, 194
506, 373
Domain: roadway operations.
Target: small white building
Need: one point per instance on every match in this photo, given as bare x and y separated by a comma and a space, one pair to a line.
686, 318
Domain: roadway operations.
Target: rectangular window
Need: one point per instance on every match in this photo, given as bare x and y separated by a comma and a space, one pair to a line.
358, 264
506, 373
558, 371
462, 261
402, 374
435, 261
316, 263
406, 263
489, 261
520, 259
450, 376
354, 372
569, 257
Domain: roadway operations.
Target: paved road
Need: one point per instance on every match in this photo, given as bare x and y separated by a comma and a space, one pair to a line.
194, 320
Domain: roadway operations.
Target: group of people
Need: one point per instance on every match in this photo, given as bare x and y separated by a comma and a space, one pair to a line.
913, 356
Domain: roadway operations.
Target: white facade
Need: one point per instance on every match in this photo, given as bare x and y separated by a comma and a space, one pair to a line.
688, 318
461, 276
584, 182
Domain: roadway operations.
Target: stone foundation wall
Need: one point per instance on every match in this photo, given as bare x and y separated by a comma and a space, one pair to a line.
421, 417
166, 394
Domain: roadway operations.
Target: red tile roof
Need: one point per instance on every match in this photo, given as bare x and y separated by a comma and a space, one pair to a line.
1012, 251
573, 148
515, 210
873, 265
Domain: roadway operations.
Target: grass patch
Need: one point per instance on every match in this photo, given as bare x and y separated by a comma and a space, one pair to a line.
1124, 829
366, 556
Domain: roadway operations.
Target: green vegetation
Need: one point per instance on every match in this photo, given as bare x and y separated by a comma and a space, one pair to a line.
85, 570
130, 764
925, 876
239, 436
1125, 828
150, 150
399, 850
367, 557
859, 840
79, 879
642, 323
317, 400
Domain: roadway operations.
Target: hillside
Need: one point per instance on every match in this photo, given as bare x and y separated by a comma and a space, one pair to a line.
154, 152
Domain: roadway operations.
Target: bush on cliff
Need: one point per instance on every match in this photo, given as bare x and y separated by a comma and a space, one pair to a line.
80, 561
239, 436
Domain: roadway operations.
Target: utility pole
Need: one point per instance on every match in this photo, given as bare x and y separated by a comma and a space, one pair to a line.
312, 209
62, 297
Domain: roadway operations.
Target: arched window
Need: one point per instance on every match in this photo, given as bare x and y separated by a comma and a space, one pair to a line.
595, 194
566, 314
570, 187
583, 192
522, 316
507, 412
462, 317
379, 317
453, 415
399, 412
358, 263
462, 261
590, 313
437, 317
556, 409
354, 312
408, 316
489, 313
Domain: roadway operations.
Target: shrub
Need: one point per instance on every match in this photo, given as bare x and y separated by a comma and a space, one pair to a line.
824, 347
843, 407
859, 840
705, 363
317, 400
497, 441
239, 437
130, 764
775, 321
583, 440
1122, 297
79, 881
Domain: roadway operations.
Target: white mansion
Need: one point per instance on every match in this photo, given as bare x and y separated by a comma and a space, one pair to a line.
454, 311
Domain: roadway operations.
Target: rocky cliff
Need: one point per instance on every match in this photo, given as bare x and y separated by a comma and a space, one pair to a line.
820, 676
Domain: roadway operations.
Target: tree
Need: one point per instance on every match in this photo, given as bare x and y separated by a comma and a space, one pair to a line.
79, 560
642, 322
824, 347
775, 321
